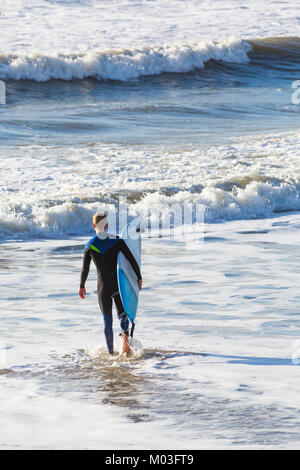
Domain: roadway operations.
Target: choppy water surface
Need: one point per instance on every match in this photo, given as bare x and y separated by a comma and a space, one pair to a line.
208, 105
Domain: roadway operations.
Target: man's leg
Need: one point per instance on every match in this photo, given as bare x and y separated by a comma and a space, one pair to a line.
124, 322
105, 303
108, 331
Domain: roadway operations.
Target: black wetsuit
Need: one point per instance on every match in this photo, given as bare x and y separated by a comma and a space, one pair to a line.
104, 253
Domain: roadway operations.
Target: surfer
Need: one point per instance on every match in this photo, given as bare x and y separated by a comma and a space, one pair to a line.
103, 249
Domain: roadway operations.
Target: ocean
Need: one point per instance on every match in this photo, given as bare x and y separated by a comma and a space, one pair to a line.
161, 104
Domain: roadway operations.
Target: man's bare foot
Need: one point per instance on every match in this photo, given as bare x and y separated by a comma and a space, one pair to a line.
126, 347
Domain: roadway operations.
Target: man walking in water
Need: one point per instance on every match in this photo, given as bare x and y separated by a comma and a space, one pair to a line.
103, 249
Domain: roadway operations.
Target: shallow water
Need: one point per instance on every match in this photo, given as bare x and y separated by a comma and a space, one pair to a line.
221, 331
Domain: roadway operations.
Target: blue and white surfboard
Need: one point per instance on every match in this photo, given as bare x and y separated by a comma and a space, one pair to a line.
127, 279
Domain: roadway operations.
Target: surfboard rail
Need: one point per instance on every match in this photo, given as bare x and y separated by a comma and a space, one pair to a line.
127, 279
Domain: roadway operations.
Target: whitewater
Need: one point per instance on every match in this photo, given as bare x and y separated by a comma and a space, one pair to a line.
67, 188
127, 24
160, 104
151, 37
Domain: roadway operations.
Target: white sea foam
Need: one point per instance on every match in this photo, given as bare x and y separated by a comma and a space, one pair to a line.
43, 26
124, 40
121, 64
53, 192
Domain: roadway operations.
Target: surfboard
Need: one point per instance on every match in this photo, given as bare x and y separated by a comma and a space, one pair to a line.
127, 279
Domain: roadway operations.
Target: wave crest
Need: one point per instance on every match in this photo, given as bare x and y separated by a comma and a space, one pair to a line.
122, 65
257, 199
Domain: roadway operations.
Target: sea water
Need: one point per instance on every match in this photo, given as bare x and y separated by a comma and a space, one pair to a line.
137, 99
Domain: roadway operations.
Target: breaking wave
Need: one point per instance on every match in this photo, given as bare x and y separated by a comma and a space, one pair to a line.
122, 65
129, 64
257, 199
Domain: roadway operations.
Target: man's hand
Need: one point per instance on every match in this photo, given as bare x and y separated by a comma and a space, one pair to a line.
140, 283
82, 292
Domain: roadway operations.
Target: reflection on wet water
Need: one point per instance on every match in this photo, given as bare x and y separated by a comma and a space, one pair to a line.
101, 377
104, 378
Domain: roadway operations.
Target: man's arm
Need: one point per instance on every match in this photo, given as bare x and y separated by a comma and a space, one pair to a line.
84, 271
126, 252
